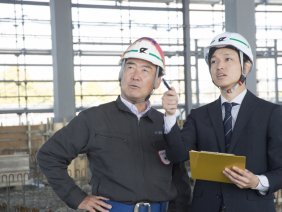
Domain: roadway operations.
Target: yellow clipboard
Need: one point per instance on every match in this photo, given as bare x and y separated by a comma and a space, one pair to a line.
210, 165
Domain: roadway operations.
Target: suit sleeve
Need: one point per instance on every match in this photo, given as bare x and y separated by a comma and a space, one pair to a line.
179, 143
274, 152
181, 181
57, 153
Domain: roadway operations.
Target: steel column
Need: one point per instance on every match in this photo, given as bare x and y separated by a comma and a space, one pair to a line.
63, 67
240, 18
187, 57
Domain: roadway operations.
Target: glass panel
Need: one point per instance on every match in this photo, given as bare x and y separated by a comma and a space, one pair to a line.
40, 102
23, 29
111, 36
40, 89
279, 71
97, 73
38, 72
266, 79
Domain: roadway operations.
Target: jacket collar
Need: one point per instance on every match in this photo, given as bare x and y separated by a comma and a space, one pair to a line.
151, 114
215, 113
248, 106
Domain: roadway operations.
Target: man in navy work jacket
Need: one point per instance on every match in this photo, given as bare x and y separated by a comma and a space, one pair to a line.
123, 141
238, 123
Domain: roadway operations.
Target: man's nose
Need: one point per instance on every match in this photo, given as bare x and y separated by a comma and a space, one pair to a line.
220, 65
136, 75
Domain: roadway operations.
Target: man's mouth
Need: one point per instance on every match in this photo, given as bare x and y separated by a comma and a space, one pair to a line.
221, 75
134, 86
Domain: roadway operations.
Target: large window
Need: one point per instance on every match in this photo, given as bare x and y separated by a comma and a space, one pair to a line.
102, 30
269, 56
99, 43
26, 72
202, 30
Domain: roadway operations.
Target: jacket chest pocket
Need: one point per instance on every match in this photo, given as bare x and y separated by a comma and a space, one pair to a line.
110, 142
156, 143
111, 138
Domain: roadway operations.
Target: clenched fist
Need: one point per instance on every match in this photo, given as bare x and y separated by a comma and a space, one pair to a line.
170, 102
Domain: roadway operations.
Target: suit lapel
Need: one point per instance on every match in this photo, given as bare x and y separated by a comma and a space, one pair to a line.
215, 114
248, 106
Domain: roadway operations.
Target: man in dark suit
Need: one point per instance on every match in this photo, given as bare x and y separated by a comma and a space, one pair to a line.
238, 123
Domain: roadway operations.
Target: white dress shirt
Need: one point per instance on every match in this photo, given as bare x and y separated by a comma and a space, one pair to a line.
169, 122
134, 109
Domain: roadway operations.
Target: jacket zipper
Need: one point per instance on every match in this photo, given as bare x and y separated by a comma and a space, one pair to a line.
139, 133
121, 139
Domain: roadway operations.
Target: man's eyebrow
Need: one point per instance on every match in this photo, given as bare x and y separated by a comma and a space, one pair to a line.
147, 66
131, 63
226, 54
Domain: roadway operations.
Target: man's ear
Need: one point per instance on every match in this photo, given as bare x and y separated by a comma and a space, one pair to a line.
247, 67
159, 82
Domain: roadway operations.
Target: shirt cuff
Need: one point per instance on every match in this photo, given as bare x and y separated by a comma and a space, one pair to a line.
169, 122
263, 185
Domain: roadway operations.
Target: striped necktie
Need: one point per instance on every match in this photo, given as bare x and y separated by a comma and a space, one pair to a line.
227, 122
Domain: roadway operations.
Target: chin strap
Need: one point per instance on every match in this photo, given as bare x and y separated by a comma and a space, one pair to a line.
132, 101
241, 79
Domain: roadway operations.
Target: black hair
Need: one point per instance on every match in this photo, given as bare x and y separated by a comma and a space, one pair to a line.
161, 72
213, 49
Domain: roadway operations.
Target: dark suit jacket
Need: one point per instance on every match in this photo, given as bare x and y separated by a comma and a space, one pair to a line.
257, 134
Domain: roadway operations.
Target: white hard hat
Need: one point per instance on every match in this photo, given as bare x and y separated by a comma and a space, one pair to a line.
233, 39
146, 49
240, 43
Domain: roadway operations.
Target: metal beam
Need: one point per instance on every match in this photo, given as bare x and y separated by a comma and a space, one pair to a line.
103, 65
165, 1
125, 7
51, 110
9, 97
116, 80
240, 18
26, 51
23, 64
119, 44
187, 57
63, 67
24, 2
26, 110
18, 52
24, 81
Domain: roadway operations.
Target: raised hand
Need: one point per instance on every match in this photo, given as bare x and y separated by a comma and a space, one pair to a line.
170, 102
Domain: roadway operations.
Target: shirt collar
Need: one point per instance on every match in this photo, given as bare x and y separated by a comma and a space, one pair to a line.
134, 109
238, 99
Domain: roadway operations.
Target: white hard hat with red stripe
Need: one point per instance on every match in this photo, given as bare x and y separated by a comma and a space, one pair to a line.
146, 49
240, 43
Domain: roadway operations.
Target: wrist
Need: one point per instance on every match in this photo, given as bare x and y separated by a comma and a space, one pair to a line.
256, 182
167, 114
